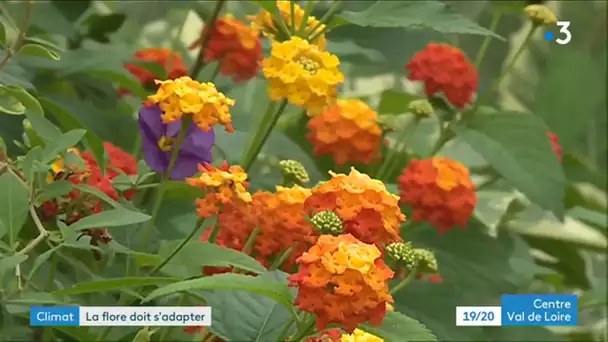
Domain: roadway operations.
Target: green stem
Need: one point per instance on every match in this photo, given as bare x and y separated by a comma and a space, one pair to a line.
167, 330
281, 259
507, 69
292, 6
262, 135
187, 239
214, 231
249, 244
400, 144
315, 32
302, 29
404, 282
486, 42
165, 181
304, 329
259, 131
285, 330
199, 64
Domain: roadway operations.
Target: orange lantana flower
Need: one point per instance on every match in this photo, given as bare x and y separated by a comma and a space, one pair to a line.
236, 46
440, 192
348, 131
344, 281
367, 210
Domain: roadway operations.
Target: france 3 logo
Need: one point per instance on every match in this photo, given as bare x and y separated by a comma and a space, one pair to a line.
566, 36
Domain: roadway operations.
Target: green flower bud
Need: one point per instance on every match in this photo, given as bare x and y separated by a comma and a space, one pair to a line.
540, 15
427, 261
421, 108
294, 171
327, 222
403, 254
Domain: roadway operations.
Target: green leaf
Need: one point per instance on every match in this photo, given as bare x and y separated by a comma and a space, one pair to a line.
194, 255
37, 51
399, 327
229, 281
260, 318
111, 218
100, 25
568, 67
36, 298
99, 194
40, 260
8, 264
22, 96
591, 217
67, 140
14, 205
347, 48
143, 335
395, 102
55, 189
155, 68
517, 146
2, 34
72, 10
69, 122
123, 78
434, 15
46, 42
43, 127
9, 104
113, 285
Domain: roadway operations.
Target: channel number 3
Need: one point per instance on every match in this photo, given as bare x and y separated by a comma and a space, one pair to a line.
563, 28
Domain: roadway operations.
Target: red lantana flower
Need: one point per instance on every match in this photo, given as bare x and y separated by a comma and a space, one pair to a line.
442, 67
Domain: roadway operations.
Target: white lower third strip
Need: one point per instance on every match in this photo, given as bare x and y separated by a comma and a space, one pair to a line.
478, 316
145, 316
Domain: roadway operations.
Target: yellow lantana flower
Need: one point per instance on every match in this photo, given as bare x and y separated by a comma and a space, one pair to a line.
184, 96
303, 74
360, 336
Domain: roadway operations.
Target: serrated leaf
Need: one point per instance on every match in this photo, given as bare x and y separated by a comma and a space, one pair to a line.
434, 15
111, 218
37, 51
399, 327
194, 255
113, 285
517, 146
230, 281
67, 140
14, 205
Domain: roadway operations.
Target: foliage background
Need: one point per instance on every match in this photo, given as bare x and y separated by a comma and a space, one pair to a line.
528, 249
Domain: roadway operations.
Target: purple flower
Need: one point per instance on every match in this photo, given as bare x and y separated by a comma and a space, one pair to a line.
158, 139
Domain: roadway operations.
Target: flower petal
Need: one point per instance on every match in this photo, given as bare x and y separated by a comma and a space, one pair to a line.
187, 165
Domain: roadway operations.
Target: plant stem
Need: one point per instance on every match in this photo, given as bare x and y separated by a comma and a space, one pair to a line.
309, 6
259, 131
315, 32
507, 69
215, 230
292, 7
185, 241
248, 248
21, 36
404, 282
281, 259
199, 64
262, 135
303, 329
165, 181
400, 144
486, 42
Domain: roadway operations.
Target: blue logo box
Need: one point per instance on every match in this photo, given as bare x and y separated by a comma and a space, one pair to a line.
539, 310
54, 316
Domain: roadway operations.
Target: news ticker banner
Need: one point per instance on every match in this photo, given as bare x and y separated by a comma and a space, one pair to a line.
522, 310
120, 316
